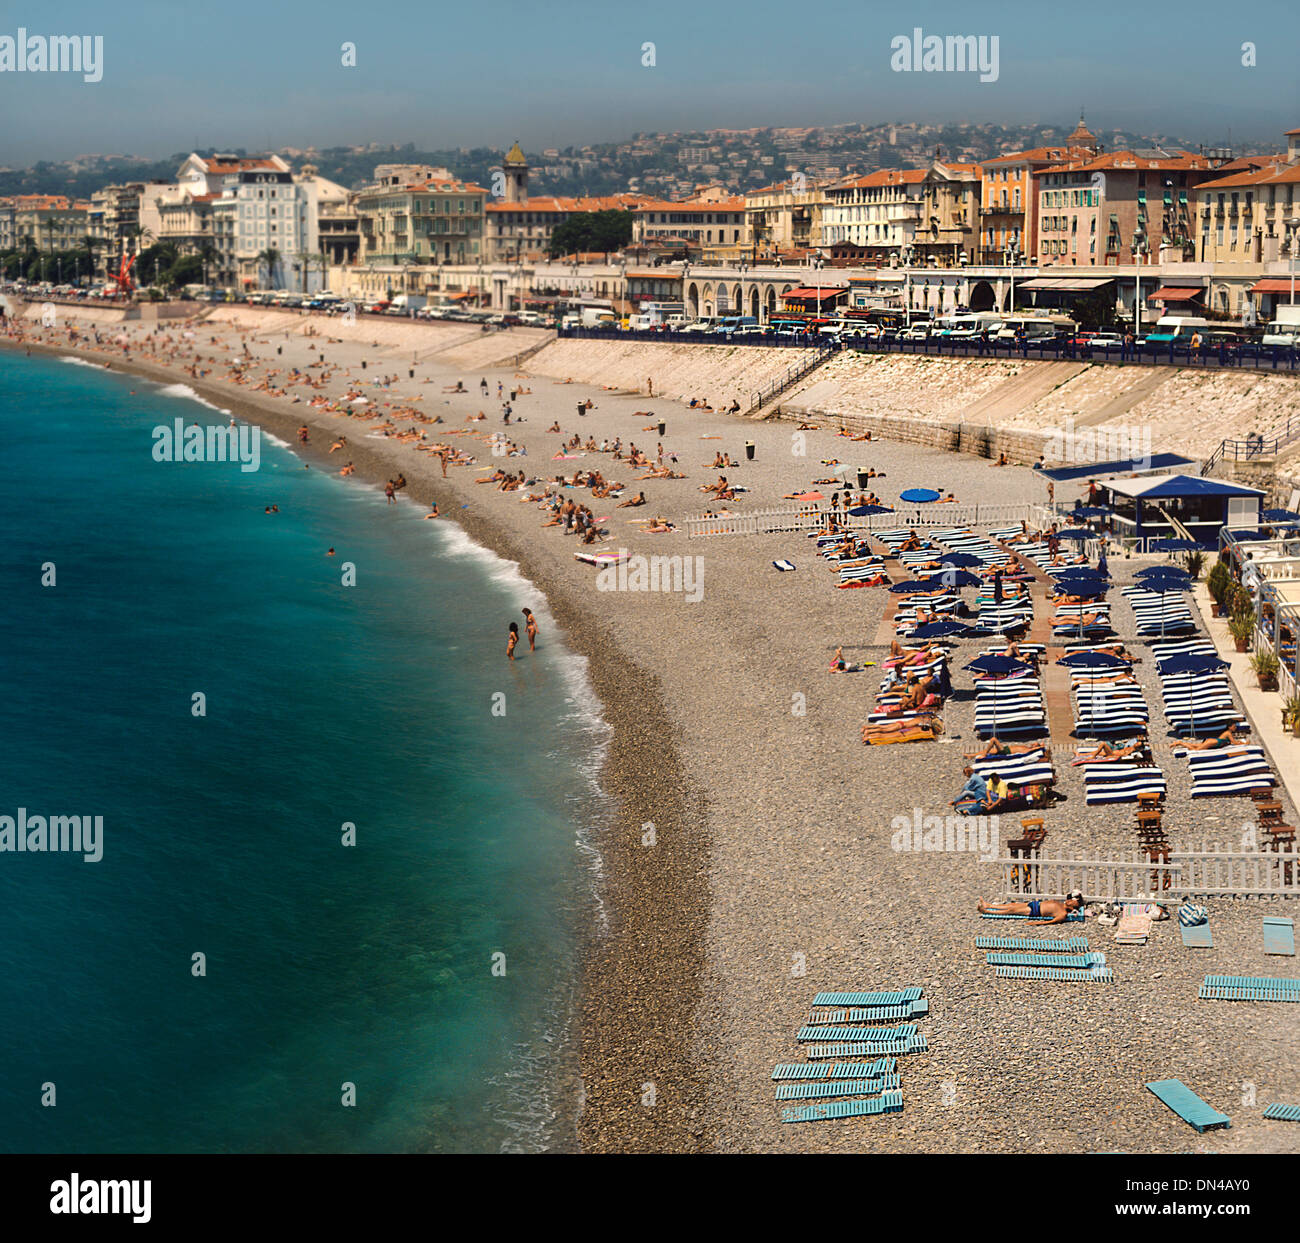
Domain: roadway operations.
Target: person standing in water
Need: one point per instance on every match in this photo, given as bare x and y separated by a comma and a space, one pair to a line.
530, 628
512, 641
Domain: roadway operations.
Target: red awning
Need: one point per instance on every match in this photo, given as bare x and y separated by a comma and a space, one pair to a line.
1274, 284
810, 292
1175, 293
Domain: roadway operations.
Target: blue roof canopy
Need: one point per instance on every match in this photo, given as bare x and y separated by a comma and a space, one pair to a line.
1196, 485
1125, 466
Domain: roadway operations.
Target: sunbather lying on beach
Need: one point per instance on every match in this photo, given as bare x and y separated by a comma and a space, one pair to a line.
660, 526
638, 499
1104, 751
1226, 739
996, 747
1054, 910
925, 726
840, 665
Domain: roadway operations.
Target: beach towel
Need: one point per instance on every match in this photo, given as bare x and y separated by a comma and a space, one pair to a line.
784, 565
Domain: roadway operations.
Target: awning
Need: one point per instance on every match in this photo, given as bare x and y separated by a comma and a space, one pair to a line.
1176, 293
1074, 284
1274, 284
826, 291
1131, 466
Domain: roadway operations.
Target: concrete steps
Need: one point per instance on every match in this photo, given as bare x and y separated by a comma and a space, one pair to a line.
1013, 395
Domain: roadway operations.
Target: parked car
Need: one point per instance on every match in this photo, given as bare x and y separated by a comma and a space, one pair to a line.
917, 332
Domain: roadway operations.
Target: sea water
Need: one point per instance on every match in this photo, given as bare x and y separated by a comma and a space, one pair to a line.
232, 976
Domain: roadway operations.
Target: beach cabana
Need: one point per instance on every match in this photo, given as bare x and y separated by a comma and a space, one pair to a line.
1160, 507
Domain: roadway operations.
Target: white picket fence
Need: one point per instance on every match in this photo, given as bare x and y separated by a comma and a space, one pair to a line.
809, 517
1212, 871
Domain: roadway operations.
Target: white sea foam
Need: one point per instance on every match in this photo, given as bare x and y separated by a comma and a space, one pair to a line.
184, 390
79, 362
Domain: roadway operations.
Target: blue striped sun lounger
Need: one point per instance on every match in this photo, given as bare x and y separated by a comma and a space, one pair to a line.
1283, 1113
889, 1102
1120, 782
1233, 770
1188, 1106
1197, 936
784, 565
836, 1070
1075, 917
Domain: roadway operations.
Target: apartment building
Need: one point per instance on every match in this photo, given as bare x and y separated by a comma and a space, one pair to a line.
1245, 214
785, 217
877, 216
709, 220
950, 197
416, 215
49, 222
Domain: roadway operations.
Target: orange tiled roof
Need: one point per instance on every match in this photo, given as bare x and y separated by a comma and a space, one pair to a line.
884, 177
1040, 155
1121, 160
1274, 174
240, 166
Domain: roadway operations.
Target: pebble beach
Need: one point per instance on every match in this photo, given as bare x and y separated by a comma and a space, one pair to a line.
769, 873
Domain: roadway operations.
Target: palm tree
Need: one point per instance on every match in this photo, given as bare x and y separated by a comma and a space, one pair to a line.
270, 259
208, 254
304, 261
90, 244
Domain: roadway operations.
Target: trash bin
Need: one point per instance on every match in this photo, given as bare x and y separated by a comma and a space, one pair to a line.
749, 450
279, 349
363, 364
862, 479
411, 373
662, 425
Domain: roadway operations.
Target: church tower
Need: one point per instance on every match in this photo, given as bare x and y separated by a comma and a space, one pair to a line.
515, 167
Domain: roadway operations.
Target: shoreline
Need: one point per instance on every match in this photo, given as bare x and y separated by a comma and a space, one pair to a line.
640, 981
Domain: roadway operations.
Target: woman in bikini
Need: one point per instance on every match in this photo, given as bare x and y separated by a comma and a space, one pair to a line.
512, 641
530, 628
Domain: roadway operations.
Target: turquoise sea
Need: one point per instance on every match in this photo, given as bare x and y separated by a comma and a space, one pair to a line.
433, 964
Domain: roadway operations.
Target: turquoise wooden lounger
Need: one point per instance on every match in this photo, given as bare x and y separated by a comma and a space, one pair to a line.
874, 1035
867, 1014
821, 1089
1246, 992
895, 998
1279, 936
915, 1044
890, 1102
1259, 981
1063, 945
1074, 917
837, 1070
1069, 961
1094, 975
1197, 937
1188, 1106
1283, 1113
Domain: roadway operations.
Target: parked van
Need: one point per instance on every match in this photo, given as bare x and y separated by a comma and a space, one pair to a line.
1284, 328
1176, 330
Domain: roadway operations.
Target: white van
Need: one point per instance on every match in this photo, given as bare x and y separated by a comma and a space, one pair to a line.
1176, 329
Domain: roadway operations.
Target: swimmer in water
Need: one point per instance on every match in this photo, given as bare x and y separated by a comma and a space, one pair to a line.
530, 628
512, 641
433, 512
330, 553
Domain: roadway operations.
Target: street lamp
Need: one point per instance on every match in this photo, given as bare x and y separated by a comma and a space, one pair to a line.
1139, 249
1293, 237
1012, 256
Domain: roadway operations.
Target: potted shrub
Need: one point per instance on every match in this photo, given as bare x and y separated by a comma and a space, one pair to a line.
1196, 563
1242, 628
1265, 665
1291, 715
1217, 583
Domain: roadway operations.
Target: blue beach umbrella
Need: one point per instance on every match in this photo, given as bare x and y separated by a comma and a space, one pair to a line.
956, 578
1077, 533
919, 496
1191, 664
962, 560
1093, 661
1279, 516
865, 511
1163, 570
938, 629
1163, 585
1174, 545
997, 666
915, 586
1084, 512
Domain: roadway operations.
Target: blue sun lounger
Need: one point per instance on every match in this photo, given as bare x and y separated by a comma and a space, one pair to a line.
1279, 936
1074, 961
869, 1014
1063, 945
913, 1044
783, 564
889, 1102
1197, 937
1283, 1113
1188, 1106
821, 1090
893, 998
1075, 917
1243, 988
836, 1070
873, 1035
1093, 975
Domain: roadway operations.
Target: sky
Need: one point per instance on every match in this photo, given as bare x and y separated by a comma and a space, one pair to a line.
258, 75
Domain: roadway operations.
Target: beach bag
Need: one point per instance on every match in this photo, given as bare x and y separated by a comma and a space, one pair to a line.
1190, 915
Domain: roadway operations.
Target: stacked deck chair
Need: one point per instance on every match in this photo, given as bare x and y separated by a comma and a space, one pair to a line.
1009, 707
1228, 770
963, 539
892, 537
1159, 615
1120, 781
1068, 621
1196, 704
852, 1067
905, 618
1107, 709
1010, 617
1029, 549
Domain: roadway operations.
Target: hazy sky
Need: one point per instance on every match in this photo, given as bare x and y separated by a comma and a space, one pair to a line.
233, 73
